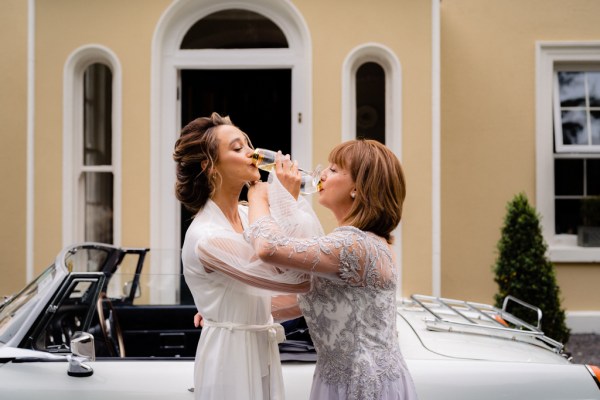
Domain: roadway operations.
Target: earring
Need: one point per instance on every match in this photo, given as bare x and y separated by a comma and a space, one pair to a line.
353, 195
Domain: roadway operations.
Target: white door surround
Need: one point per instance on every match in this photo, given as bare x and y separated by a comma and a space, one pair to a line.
168, 60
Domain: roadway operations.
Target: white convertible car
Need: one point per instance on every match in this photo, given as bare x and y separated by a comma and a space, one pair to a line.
104, 322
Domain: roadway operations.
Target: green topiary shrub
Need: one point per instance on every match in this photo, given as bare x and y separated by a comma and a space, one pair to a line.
522, 269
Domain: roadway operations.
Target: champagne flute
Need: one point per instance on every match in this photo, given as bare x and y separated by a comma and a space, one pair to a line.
310, 182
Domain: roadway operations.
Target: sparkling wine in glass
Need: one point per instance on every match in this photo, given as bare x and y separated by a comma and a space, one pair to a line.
310, 181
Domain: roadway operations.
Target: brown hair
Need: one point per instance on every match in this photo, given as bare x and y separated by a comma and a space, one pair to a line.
380, 185
196, 153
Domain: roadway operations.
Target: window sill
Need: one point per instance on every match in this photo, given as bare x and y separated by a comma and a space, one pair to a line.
564, 249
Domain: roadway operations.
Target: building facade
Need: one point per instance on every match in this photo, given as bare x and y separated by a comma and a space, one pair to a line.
480, 100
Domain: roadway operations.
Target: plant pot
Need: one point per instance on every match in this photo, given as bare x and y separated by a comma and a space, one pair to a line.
588, 236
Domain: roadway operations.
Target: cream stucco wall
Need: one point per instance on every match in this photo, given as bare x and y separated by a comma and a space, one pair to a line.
126, 28
488, 120
401, 28
13, 144
405, 28
488, 132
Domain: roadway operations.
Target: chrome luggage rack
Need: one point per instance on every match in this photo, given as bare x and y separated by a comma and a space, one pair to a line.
483, 319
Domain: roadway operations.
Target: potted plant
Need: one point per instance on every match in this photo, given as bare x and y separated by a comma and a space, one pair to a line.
588, 234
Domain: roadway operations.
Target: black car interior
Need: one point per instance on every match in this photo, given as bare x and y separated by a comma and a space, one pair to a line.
122, 328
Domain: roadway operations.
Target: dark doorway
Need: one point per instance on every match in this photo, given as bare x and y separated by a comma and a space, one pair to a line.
259, 102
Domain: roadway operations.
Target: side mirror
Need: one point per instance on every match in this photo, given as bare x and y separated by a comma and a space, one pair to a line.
82, 349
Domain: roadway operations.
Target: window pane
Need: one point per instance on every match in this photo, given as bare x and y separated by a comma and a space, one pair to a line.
571, 89
567, 216
568, 177
97, 115
87, 260
574, 127
593, 177
98, 209
370, 102
594, 88
234, 29
595, 126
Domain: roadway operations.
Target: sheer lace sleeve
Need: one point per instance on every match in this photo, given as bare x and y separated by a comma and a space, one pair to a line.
221, 249
347, 254
224, 251
296, 218
337, 255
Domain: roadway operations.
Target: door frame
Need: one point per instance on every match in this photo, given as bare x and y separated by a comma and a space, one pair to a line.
168, 60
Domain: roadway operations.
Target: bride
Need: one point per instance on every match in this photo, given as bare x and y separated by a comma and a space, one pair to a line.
237, 356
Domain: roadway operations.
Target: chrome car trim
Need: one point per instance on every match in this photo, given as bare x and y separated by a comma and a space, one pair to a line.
82, 346
482, 322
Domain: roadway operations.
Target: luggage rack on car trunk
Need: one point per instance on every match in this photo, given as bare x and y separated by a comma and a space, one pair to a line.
468, 317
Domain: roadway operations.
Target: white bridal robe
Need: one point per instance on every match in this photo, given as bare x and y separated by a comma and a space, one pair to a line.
237, 356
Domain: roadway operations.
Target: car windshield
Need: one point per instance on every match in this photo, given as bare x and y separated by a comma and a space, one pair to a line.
17, 308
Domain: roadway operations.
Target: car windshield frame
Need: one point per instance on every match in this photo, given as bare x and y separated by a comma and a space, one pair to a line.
17, 308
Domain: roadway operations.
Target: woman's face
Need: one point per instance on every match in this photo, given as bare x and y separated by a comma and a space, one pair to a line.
235, 157
336, 186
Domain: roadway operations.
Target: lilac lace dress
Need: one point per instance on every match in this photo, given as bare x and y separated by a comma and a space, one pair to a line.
350, 310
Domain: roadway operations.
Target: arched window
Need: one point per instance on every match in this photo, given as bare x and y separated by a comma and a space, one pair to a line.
91, 147
371, 96
234, 29
370, 102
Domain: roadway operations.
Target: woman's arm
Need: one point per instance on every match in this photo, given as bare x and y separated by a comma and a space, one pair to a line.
340, 254
220, 250
285, 307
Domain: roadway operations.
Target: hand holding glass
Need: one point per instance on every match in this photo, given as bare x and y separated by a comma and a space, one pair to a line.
310, 181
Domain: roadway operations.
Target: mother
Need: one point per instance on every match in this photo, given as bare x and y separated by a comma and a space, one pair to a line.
351, 307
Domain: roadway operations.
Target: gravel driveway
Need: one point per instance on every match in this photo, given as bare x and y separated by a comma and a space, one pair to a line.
584, 348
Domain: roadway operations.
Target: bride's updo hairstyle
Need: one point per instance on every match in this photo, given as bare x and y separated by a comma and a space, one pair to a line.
380, 185
196, 154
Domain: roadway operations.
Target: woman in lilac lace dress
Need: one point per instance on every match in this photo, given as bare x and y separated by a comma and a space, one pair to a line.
351, 308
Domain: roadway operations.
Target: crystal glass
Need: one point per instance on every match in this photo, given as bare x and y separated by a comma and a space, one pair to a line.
310, 180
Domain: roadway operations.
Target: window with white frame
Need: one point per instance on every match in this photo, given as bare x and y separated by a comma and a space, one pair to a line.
371, 95
568, 142
91, 146
372, 103
576, 109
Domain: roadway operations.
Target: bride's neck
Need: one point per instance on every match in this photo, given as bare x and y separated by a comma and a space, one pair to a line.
228, 203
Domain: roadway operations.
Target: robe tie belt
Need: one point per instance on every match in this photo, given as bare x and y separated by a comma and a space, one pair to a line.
275, 331
276, 334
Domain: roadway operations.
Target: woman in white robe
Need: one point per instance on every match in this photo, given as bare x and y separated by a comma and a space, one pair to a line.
237, 356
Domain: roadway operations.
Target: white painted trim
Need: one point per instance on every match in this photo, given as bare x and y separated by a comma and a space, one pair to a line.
436, 208
168, 59
583, 321
561, 248
74, 68
30, 206
385, 57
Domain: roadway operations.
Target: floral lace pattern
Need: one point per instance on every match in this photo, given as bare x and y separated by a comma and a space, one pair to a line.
352, 317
